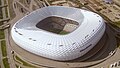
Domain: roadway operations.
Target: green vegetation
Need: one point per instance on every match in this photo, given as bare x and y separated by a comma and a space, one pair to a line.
1, 15
2, 36
16, 66
118, 41
3, 48
1, 23
5, 62
24, 63
118, 24
5, 2
11, 12
78, 3
6, 11
119, 45
63, 32
50, 1
114, 24
58, 31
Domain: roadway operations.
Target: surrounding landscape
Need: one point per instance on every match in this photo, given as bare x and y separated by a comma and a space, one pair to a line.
13, 10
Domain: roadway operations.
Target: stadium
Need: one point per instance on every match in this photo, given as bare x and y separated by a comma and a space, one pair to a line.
58, 33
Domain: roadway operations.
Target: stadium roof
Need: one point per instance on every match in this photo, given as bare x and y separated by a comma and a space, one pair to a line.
49, 44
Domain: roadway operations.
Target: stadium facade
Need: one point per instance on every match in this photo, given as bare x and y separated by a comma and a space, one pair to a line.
83, 31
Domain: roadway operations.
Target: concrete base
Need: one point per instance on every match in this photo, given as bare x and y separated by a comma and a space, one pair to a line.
98, 51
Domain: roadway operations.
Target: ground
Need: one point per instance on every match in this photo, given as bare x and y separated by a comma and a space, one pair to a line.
108, 56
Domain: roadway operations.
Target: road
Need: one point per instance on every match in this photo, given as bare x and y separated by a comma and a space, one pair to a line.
9, 55
2, 66
31, 58
7, 34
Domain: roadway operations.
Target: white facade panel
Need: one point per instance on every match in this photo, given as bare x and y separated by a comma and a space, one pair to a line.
47, 44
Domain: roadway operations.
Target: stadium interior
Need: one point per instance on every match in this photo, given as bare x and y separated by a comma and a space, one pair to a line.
57, 25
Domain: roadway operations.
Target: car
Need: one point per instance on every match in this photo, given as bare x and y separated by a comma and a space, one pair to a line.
116, 64
12, 52
111, 66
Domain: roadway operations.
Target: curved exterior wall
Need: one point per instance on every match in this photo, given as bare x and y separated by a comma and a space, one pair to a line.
54, 46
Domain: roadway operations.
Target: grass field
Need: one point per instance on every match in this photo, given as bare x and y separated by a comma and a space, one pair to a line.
1, 15
3, 48
2, 36
118, 41
63, 32
5, 62
6, 11
16, 66
118, 23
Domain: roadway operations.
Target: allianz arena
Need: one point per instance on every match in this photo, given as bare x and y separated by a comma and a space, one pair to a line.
58, 33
